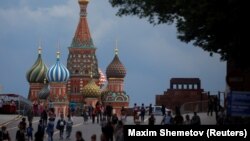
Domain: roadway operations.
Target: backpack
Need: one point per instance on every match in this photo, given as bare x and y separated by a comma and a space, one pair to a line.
60, 124
29, 131
69, 123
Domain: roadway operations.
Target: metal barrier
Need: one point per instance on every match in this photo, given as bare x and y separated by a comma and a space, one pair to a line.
196, 106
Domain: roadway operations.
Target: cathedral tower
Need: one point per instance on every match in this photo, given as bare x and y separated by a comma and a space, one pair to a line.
35, 76
81, 58
58, 75
115, 93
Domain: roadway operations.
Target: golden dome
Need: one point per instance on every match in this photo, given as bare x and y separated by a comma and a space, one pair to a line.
83, 1
91, 90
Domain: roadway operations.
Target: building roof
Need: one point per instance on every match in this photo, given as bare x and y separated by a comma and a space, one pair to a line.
58, 72
184, 80
82, 38
116, 69
91, 90
43, 94
37, 72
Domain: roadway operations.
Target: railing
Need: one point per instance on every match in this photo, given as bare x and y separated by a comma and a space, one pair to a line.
196, 106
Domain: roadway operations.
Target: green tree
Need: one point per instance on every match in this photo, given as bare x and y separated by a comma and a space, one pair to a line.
217, 26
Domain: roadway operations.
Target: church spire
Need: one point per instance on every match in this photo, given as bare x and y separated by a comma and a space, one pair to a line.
83, 7
116, 47
82, 38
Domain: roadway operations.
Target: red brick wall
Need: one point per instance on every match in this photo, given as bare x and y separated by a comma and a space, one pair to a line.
173, 98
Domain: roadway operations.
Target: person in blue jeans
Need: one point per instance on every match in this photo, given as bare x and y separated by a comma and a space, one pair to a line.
50, 126
30, 132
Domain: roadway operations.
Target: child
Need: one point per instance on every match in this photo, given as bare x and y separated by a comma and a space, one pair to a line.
30, 132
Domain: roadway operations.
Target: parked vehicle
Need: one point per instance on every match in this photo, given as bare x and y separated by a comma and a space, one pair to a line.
157, 110
13, 104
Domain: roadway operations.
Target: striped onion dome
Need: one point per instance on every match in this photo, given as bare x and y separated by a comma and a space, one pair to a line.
43, 94
116, 69
91, 90
102, 78
58, 72
38, 71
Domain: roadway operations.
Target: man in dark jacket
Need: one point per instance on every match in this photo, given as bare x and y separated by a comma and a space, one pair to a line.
60, 125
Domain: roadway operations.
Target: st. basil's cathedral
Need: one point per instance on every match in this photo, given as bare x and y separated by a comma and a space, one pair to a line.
81, 82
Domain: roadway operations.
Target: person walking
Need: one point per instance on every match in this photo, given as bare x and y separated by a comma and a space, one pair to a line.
143, 111
60, 125
30, 115
150, 110
109, 110
69, 125
50, 126
123, 116
163, 110
210, 106
93, 115
98, 111
85, 115
90, 111
30, 132
44, 117
135, 111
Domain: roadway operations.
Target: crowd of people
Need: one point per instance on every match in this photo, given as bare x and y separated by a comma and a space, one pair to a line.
111, 124
168, 119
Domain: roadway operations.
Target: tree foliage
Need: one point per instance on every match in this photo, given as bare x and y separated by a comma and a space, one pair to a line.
217, 26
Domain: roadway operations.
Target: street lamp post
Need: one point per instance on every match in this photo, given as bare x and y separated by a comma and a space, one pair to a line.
19, 105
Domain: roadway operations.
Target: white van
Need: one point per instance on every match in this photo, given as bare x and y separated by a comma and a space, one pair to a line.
157, 110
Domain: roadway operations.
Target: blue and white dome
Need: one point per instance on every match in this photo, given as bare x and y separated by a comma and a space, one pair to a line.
58, 72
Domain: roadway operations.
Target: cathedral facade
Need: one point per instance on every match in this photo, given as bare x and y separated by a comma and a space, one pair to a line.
80, 82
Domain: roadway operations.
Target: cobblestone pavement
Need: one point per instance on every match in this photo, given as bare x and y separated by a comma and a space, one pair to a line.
88, 128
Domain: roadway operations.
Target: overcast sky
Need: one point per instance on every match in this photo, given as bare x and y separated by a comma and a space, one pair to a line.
151, 54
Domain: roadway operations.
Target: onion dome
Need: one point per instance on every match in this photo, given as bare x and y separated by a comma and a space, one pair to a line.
91, 90
109, 96
83, 1
58, 72
102, 78
43, 94
38, 71
116, 69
